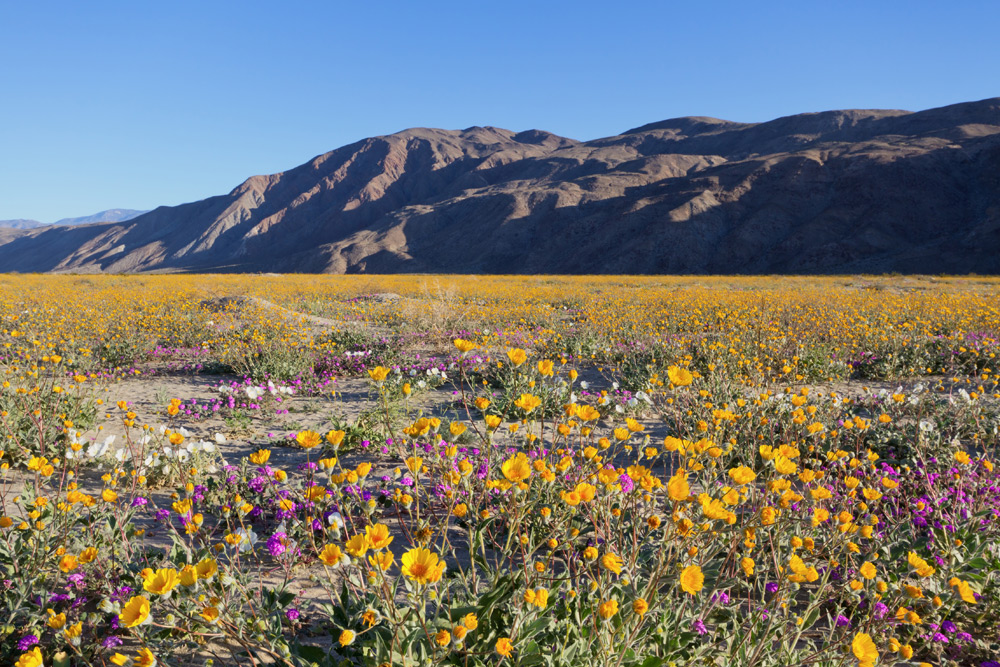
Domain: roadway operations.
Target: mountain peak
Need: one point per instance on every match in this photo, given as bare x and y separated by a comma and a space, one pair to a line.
834, 191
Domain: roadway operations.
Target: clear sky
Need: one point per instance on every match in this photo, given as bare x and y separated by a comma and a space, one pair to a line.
135, 104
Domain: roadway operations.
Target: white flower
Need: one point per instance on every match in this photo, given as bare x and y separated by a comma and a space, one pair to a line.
584, 384
926, 426
249, 539
99, 449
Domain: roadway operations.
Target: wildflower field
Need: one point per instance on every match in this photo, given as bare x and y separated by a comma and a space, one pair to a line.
459, 470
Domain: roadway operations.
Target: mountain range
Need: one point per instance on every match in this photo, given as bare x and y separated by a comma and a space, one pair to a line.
110, 215
831, 192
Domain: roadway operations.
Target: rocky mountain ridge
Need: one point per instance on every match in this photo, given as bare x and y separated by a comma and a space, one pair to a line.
829, 192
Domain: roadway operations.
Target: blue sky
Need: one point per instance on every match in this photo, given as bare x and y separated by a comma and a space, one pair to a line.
137, 104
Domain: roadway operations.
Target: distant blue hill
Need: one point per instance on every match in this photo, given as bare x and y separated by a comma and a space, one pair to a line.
111, 215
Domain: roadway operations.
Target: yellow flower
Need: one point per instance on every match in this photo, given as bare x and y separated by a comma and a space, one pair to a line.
260, 457
640, 606
87, 555
346, 638
414, 464
517, 356
207, 569
422, 566
379, 373
540, 598
189, 575
160, 582
545, 367
923, 568
517, 469
692, 580
767, 516
964, 590
56, 621
456, 428
308, 439
608, 608
331, 555
68, 563
32, 658
465, 346
470, 621
504, 647
679, 377
492, 422
73, 632
135, 612
442, 638
378, 536
382, 561
868, 570
109, 496
864, 649
612, 562
678, 488
742, 475
358, 545
527, 402
335, 437
145, 658
747, 565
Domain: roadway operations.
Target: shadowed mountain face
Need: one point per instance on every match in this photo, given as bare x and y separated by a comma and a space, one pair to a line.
831, 192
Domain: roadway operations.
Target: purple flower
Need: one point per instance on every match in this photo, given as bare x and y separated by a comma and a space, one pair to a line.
27, 642
276, 544
699, 627
112, 642
771, 587
843, 622
292, 614
626, 482
880, 610
139, 501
